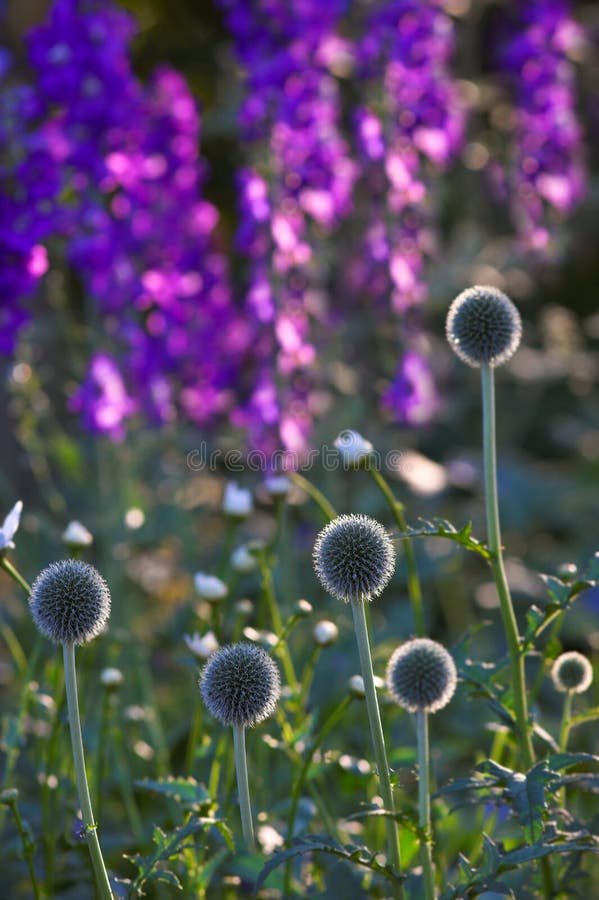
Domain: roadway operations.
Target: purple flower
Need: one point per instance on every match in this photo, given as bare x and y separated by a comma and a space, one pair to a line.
546, 172
412, 397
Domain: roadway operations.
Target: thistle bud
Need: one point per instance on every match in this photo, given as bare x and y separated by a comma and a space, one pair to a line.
572, 672
240, 685
421, 675
354, 558
70, 602
483, 326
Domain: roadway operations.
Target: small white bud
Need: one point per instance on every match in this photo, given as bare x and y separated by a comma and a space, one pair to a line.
237, 502
356, 685
277, 485
242, 560
76, 536
202, 647
354, 449
111, 678
209, 587
325, 633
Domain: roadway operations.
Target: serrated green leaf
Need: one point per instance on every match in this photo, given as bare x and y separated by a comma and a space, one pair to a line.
559, 761
359, 855
182, 790
527, 794
444, 529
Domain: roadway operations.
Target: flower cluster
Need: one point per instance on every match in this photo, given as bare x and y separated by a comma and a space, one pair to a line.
547, 171
297, 191
117, 162
417, 121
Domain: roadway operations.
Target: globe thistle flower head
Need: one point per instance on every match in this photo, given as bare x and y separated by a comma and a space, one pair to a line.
240, 685
421, 675
70, 602
354, 558
572, 672
483, 326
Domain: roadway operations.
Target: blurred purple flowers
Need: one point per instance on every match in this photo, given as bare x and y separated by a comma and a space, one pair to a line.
343, 144
547, 171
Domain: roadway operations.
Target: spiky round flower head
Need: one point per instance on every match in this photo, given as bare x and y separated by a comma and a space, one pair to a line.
354, 558
240, 685
70, 602
421, 675
572, 672
483, 326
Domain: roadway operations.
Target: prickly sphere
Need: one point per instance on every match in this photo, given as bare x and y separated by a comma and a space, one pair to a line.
572, 672
421, 674
70, 602
240, 685
483, 326
354, 558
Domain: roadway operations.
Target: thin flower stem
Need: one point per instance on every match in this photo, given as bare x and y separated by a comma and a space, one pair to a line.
414, 588
194, 736
27, 845
378, 740
327, 726
327, 509
91, 829
508, 615
14, 573
243, 787
424, 804
268, 590
497, 567
564, 734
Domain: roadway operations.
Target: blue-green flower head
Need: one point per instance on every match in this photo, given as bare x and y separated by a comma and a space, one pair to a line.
421, 675
572, 672
354, 558
483, 326
240, 685
70, 602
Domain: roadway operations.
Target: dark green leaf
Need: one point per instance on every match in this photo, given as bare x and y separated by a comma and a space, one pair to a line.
444, 529
183, 790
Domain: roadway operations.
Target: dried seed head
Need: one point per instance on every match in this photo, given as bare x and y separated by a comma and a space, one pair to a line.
421, 675
354, 558
572, 672
483, 326
240, 685
70, 602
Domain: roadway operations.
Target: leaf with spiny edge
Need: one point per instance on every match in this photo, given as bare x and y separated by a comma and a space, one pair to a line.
186, 791
445, 529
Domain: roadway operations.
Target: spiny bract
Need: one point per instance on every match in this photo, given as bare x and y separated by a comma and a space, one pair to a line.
240, 685
483, 326
70, 602
572, 672
421, 675
354, 558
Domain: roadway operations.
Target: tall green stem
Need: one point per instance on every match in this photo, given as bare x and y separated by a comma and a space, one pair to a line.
90, 826
497, 567
505, 600
414, 589
564, 734
243, 786
424, 804
378, 740
327, 508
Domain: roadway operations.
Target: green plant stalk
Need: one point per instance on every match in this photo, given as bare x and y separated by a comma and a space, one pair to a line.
49, 818
268, 590
414, 588
14, 648
14, 573
194, 736
27, 845
508, 615
243, 787
326, 508
564, 734
326, 728
378, 740
90, 826
497, 568
424, 804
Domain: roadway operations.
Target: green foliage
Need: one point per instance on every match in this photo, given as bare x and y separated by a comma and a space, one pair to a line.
442, 528
357, 854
